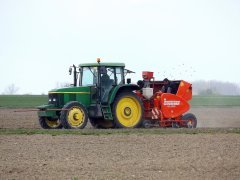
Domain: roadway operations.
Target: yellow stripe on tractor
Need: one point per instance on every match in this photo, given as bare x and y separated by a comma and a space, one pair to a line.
69, 93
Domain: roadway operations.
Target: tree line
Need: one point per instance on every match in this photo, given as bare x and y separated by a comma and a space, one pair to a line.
214, 87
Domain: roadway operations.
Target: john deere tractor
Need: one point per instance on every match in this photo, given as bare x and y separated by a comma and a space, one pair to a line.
99, 94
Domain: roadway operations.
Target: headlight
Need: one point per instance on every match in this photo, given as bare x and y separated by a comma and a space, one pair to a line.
53, 99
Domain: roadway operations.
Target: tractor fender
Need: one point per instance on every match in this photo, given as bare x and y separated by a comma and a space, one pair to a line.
47, 111
122, 88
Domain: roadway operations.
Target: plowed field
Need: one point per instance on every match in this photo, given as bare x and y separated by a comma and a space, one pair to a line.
192, 155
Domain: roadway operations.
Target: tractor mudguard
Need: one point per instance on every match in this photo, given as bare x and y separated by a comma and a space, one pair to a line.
45, 106
121, 88
173, 106
47, 110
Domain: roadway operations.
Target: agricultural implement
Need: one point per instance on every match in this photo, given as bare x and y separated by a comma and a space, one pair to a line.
101, 94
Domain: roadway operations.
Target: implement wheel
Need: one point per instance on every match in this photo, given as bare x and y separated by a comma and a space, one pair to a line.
128, 110
48, 123
191, 120
75, 116
100, 123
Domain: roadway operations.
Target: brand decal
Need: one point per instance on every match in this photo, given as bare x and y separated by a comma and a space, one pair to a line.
171, 103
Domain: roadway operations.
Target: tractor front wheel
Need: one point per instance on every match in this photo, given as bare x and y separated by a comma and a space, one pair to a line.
100, 123
74, 116
128, 110
48, 123
190, 120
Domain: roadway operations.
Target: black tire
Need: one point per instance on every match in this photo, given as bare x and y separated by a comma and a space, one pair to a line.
100, 123
48, 123
125, 106
147, 124
191, 120
74, 116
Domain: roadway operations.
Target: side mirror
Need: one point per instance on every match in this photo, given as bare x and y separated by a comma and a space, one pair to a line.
103, 70
128, 80
70, 71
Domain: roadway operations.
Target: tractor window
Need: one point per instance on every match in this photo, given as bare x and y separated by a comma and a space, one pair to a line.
119, 76
110, 73
89, 76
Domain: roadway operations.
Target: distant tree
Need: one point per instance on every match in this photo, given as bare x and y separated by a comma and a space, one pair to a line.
215, 88
208, 92
11, 89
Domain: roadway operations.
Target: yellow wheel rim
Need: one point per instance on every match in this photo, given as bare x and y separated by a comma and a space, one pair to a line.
52, 124
76, 117
128, 111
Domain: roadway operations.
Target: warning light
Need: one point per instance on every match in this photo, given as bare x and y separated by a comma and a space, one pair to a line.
98, 60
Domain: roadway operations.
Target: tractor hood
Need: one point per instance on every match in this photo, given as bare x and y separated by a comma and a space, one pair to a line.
59, 97
71, 90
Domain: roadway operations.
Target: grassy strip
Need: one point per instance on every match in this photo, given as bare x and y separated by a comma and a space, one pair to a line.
215, 101
22, 101
98, 132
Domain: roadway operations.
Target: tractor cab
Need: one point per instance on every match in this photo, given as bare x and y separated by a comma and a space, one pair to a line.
101, 78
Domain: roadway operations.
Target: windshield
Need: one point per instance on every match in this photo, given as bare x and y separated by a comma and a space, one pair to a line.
89, 76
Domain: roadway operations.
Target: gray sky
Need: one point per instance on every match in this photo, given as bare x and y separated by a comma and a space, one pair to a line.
178, 39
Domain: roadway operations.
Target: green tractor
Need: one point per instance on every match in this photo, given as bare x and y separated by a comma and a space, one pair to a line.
99, 94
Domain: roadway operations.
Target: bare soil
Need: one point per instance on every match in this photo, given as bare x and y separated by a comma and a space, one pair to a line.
201, 156
168, 156
212, 117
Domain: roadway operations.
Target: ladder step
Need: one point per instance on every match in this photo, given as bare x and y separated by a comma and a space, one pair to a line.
107, 113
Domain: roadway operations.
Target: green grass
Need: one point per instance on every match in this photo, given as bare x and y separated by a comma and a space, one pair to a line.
99, 132
31, 101
216, 101
22, 101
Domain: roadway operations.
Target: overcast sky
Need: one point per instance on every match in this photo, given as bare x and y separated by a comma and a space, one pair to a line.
178, 39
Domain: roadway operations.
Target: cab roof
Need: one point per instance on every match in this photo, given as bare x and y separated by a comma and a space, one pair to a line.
102, 64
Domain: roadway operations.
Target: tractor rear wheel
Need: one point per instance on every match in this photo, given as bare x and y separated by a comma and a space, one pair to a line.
48, 123
128, 110
190, 120
100, 123
74, 116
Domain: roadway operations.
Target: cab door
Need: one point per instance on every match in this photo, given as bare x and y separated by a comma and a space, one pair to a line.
89, 78
110, 78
